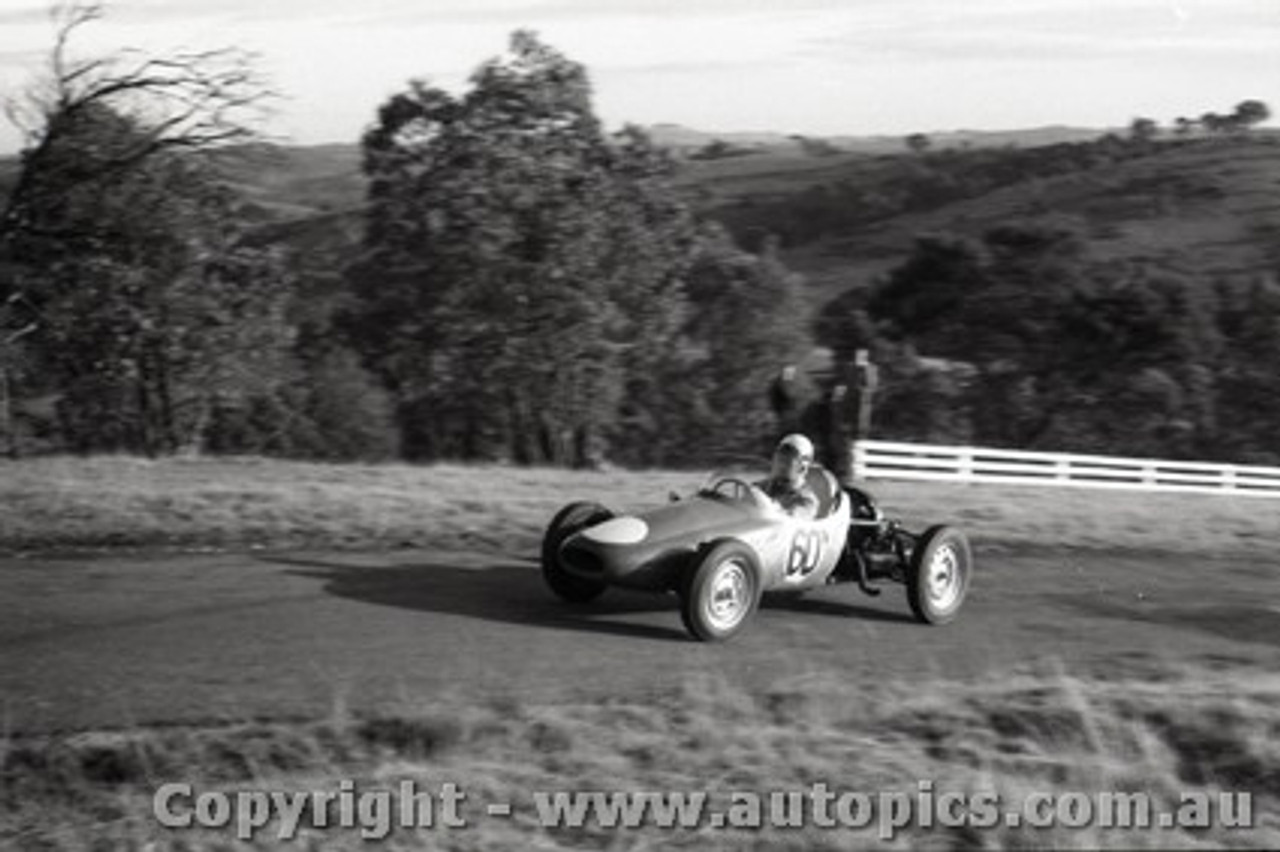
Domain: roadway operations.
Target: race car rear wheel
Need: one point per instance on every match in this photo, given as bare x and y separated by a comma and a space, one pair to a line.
722, 592
938, 577
569, 520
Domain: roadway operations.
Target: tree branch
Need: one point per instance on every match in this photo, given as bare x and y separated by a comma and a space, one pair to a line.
187, 100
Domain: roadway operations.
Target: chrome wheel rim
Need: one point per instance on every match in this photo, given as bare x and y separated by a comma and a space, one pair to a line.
944, 578
728, 597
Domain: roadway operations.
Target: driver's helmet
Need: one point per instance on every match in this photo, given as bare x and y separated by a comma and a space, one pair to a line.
797, 444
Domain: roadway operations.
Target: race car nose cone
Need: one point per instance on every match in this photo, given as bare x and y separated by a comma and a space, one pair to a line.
623, 530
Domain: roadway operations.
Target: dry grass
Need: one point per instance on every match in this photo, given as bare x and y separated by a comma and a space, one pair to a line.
1043, 731
237, 503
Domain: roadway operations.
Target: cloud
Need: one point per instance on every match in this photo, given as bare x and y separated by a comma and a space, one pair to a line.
21, 56
504, 13
168, 13
811, 65
1054, 32
31, 13
540, 11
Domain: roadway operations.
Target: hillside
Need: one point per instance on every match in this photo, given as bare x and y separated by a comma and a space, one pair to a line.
1211, 206
1212, 209
297, 180
293, 182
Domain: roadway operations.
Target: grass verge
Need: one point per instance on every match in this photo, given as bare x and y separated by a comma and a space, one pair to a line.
98, 502
1040, 730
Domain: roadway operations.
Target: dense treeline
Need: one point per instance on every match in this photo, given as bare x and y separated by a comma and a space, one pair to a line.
1036, 343
528, 287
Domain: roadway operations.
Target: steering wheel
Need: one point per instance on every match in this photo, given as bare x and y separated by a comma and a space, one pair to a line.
735, 489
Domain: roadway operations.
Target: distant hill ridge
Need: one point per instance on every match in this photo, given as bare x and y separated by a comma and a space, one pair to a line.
682, 138
1211, 206
295, 180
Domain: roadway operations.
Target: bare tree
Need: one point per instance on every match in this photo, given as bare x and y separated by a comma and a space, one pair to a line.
109, 194
181, 101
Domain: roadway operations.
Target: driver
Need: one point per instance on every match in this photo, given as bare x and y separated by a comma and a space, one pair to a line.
787, 479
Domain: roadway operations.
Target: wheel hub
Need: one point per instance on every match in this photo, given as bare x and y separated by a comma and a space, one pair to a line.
728, 601
944, 578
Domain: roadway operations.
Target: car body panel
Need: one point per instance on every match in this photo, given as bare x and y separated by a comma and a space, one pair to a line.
653, 550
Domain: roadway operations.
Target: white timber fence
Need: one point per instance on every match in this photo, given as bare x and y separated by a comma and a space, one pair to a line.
890, 460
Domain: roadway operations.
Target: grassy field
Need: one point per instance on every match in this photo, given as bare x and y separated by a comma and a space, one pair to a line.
53, 503
1039, 731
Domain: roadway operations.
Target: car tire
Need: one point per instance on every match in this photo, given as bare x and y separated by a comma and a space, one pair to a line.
721, 592
939, 574
571, 519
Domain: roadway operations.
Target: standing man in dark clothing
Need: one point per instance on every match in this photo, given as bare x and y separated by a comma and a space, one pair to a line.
784, 399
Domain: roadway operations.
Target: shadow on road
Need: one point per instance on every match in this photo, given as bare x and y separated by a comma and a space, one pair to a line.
513, 594
821, 606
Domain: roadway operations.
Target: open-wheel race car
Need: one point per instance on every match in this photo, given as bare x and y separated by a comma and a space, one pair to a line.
722, 548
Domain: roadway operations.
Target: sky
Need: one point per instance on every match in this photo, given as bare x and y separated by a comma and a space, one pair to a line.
818, 67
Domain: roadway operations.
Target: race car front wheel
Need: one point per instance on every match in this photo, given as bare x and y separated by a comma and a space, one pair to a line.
938, 576
571, 519
722, 592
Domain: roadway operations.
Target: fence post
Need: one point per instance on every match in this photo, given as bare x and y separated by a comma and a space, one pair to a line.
1062, 469
966, 463
1149, 475
1229, 478
859, 461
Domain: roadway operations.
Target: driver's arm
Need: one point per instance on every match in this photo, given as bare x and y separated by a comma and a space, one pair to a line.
807, 507
802, 504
